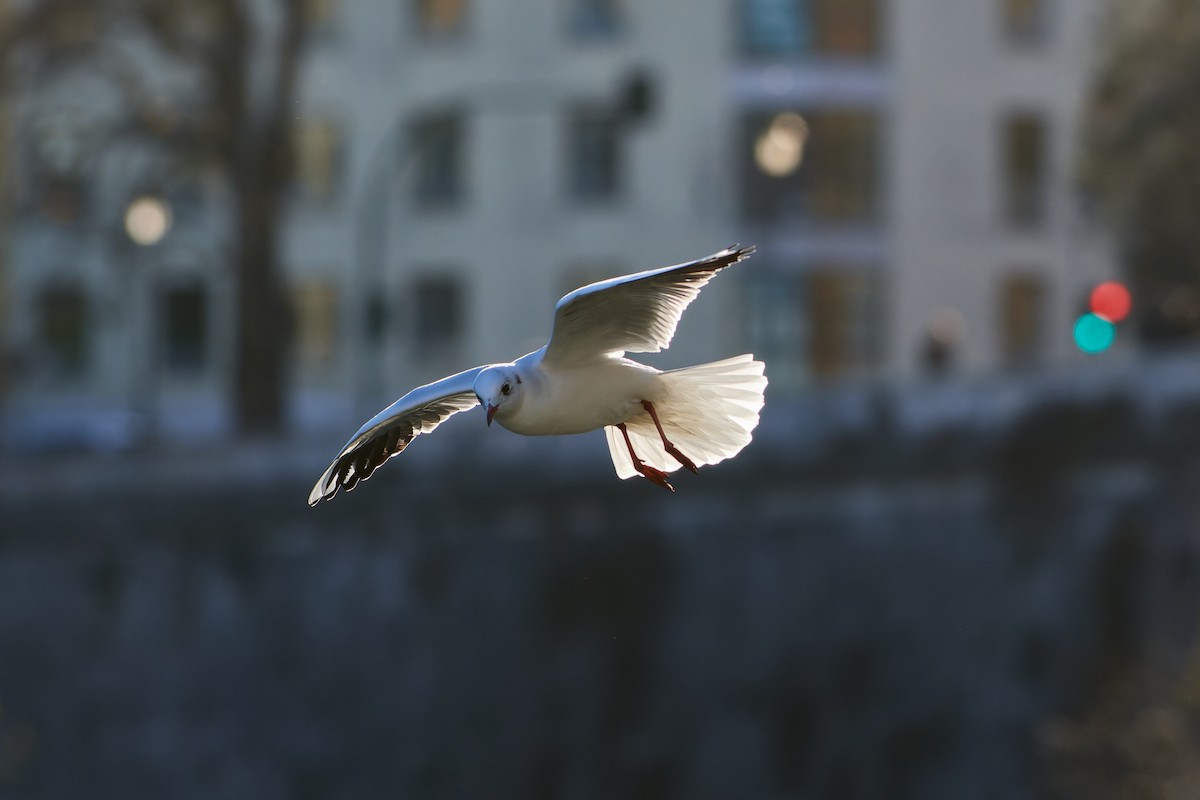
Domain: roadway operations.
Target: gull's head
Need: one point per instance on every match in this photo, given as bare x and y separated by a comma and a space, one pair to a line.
499, 390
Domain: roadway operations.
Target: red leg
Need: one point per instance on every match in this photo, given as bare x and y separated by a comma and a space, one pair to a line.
649, 473
670, 448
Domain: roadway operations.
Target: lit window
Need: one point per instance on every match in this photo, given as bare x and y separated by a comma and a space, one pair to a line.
437, 147
318, 16
1025, 21
315, 306
595, 19
63, 329
441, 19
1022, 297
438, 318
844, 321
318, 159
594, 154
820, 166
186, 317
1025, 170
810, 27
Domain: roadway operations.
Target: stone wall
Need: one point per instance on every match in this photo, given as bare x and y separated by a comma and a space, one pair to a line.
886, 596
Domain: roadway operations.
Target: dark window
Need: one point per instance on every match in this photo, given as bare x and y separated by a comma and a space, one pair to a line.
1025, 170
595, 19
810, 27
319, 18
822, 166
1025, 21
844, 321
440, 19
186, 322
593, 154
62, 200
63, 329
776, 323
438, 149
1022, 298
438, 314
315, 307
317, 150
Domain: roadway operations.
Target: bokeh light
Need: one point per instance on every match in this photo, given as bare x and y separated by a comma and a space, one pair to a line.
947, 325
147, 220
1094, 334
1111, 300
780, 149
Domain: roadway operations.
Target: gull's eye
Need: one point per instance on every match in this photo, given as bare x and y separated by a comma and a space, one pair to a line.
505, 389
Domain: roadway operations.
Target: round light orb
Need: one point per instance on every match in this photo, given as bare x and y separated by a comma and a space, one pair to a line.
947, 325
1111, 300
779, 150
1094, 334
147, 220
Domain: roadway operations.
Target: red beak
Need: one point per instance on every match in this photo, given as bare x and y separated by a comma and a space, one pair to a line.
491, 412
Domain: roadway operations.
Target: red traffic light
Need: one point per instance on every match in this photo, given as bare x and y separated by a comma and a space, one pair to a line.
1111, 301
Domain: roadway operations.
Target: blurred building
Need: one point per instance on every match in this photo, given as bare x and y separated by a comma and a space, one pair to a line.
904, 168
465, 164
459, 167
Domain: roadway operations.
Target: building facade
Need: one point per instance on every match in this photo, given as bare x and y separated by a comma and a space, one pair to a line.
904, 167
908, 167
459, 166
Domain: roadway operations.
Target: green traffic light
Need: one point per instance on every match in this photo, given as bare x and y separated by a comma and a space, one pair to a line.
1094, 334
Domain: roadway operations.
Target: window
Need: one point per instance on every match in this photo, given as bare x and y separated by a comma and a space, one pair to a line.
595, 19
1025, 170
593, 154
315, 306
774, 28
62, 200
437, 143
820, 166
73, 26
1025, 21
63, 329
318, 16
440, 19
776, 323
439, 312
186, 317
822, 320
1022, 297
844, 319
317, 147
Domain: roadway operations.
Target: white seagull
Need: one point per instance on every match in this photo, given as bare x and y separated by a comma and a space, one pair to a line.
655, 421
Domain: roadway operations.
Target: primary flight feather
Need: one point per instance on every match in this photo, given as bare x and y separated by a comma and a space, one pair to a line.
580, 381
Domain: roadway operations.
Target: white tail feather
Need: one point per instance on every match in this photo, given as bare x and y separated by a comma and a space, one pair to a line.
707, 411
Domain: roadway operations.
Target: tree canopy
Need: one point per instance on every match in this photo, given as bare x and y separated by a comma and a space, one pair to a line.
1140, 158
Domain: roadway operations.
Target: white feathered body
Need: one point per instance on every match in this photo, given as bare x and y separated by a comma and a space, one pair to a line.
581, 398
709, 411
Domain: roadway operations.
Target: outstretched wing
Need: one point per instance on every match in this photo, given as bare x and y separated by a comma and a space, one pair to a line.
389, 432
636, 313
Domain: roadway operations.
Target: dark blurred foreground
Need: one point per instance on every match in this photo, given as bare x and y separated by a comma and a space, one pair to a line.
889, 595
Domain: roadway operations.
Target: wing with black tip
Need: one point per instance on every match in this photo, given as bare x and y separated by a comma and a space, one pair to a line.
390, 431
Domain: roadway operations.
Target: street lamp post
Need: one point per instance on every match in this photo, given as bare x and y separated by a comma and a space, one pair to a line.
147, 221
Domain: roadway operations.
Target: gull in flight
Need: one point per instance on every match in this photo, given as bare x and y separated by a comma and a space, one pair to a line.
655, 421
